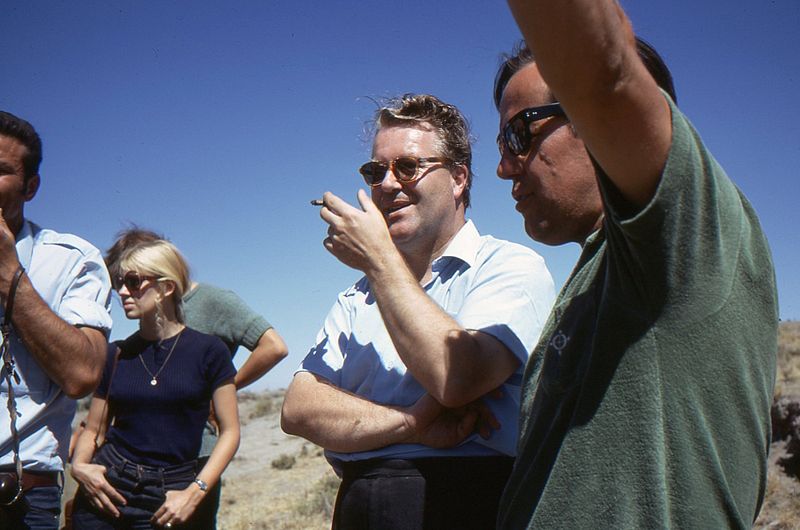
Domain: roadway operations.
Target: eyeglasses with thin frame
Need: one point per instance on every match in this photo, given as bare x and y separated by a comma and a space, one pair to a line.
406, 169
132, 280
516, 136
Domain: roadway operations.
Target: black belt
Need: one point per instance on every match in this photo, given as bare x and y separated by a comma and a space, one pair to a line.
36, 479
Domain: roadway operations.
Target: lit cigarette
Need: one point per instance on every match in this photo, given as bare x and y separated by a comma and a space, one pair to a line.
317, 202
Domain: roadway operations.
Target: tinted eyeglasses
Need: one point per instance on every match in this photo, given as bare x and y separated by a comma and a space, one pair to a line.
405, 168
132, 280
516, 136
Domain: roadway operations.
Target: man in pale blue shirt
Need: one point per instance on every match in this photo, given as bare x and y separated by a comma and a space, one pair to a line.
428, 347
57, 292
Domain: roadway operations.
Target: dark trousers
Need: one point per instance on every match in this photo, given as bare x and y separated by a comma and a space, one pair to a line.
38, 509
144, 489
425, 494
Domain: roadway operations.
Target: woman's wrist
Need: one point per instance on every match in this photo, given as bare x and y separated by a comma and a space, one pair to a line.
77, 470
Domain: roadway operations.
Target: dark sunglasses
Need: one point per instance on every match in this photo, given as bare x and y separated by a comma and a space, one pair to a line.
132, 280
405, 169
516, 136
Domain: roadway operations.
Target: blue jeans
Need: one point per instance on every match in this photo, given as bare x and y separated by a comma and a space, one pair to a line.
143, 487
38, 509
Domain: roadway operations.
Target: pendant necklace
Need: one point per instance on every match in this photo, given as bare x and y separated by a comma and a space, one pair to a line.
154, 377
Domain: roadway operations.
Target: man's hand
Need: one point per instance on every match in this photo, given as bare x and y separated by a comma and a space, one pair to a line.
441, 427
357, 237
9, 261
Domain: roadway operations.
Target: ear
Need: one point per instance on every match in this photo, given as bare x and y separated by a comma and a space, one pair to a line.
167, 287
31, 187
459, 174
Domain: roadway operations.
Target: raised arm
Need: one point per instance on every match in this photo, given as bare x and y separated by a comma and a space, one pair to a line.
586, 54
269, 351
340, 421
71, 356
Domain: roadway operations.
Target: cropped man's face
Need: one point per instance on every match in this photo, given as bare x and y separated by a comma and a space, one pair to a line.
415, 212
553, 182
14, 191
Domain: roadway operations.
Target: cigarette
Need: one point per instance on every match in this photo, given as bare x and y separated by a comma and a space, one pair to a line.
317, 202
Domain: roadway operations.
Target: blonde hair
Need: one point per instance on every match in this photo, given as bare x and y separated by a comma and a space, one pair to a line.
162, 259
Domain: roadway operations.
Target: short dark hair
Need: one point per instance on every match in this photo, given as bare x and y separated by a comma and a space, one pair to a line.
126, 240
450, 125
522, 56
19, 129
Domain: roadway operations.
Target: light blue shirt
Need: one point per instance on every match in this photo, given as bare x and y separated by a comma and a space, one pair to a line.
485, 284
70, 276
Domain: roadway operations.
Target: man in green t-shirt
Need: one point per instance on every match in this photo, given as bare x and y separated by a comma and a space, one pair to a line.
646, 402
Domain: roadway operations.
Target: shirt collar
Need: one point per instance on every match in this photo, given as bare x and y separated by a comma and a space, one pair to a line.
464, 245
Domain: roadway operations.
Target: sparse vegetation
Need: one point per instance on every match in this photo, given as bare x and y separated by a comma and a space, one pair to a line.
260, 404
320, 499
284, 462
780, 510
788, 377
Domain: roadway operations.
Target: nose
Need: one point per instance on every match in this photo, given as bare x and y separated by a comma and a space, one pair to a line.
123, 290
389, 182
508, 166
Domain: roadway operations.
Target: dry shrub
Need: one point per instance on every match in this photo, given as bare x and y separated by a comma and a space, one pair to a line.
284, 462
261, 404
780, 511
319, 500
788, 356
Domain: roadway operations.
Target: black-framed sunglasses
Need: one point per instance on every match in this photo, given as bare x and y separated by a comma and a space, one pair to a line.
132, 280
405, 168
516, 136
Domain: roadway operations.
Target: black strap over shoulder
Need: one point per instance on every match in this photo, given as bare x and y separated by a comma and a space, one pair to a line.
9, 373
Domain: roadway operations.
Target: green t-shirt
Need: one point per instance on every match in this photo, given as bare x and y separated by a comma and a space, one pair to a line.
646, 402
222, 313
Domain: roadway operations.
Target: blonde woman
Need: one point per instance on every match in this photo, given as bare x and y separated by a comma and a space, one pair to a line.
155, 395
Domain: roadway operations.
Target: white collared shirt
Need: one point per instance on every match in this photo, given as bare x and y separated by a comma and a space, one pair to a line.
70, 276
485, 284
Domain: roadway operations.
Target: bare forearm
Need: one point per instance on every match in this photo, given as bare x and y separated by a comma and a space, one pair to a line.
578, 44
339, 421
96, 421
221, 456
84, 447
270, 350
455, 365
72, 357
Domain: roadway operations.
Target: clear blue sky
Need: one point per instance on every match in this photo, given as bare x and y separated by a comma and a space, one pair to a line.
217, 122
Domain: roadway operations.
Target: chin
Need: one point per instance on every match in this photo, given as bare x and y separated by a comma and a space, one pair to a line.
541, 233
400, 233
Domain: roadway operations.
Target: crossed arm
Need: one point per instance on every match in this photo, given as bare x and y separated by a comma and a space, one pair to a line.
344, 422
455, 365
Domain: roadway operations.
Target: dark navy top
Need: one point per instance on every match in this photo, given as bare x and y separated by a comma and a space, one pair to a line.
162, 424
